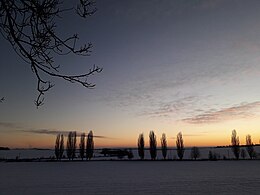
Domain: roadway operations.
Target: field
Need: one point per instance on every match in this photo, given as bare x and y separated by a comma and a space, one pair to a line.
131, 177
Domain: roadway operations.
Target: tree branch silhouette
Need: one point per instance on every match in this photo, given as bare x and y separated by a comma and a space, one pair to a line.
30, 28
2, 99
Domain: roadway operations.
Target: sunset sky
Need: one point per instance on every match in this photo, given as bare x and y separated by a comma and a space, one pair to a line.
169, 66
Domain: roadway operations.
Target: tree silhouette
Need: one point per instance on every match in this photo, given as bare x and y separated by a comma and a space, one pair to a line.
250, 146
90, 146
180, 145
30, 27
130, 154
235, 144
164, 145
243, 153
195, 153
140, 144
82, 145
153, 145
71, 145
59, 146
2, 99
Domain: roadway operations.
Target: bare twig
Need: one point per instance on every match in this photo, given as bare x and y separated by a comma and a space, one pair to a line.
2, 99
31, 29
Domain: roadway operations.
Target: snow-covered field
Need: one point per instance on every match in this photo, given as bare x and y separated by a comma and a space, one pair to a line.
130, 177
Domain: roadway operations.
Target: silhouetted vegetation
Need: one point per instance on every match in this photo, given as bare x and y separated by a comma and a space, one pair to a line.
30, 27
195, 153
2, 99
215, 156
71, 145
180, 145
82, 146
164, 146
249, 146
243, 153
59, 146
235, 144
153, 145
140, 144
4, 148
130, 154
90, 146
119, 153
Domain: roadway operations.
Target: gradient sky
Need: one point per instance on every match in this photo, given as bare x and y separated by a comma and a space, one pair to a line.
169, 66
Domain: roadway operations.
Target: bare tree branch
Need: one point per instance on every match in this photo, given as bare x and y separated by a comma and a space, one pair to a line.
2, 99
30, 28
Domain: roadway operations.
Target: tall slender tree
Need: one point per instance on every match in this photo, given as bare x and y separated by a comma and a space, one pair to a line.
59, 146
164, 146
82, 146
90, 146
250, 146
180, 146
235, 144
140, 144
153, 145
71, 145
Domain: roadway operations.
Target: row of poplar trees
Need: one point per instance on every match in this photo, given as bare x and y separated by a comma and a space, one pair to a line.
235, 146
153, 145
86, 146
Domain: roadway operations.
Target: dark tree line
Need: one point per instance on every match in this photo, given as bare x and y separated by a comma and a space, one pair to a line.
86, 148
31, 29
164, 147
236, 146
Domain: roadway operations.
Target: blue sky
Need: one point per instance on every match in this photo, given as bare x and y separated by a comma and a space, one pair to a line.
169, 66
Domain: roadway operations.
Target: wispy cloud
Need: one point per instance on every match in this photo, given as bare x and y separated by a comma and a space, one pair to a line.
10, 125
244, 110
198, 134
56, 132
166, 109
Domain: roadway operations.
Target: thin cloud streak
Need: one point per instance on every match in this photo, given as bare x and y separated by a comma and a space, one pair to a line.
56, 132
9, 125
244, 110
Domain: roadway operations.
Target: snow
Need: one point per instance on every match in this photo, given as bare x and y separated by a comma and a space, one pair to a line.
130, 177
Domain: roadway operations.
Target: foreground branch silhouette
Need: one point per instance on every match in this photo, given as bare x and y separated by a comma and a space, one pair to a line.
2, 99
30, 27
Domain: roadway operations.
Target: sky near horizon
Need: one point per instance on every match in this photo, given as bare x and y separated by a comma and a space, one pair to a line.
169, 66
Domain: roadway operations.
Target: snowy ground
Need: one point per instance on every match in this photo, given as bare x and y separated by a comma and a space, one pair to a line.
130, 177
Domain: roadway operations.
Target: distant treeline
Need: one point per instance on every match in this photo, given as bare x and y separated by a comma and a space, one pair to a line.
86, 148
4, 148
